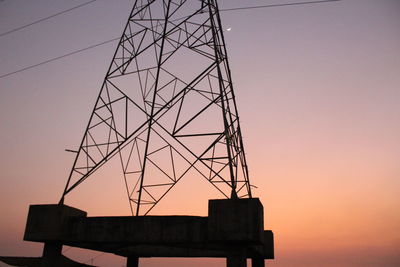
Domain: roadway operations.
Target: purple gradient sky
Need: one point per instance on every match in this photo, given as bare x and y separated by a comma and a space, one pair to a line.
318, 91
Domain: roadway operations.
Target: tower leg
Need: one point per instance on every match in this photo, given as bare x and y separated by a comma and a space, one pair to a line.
257, 262
132, 262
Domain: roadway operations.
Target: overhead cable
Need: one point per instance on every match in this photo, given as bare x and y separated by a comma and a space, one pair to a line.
278, 5
59, 57
46, 18
114, 39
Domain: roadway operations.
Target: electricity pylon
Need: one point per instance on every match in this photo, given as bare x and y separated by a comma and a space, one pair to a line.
167, 107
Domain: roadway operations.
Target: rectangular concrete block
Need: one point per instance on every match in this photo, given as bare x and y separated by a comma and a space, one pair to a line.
48, 222
236, 220
268, 245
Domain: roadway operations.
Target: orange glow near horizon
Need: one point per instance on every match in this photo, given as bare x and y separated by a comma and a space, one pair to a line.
318, 96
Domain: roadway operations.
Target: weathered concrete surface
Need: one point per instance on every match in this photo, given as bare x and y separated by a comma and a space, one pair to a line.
137, 230
232, 225
48, 222
235, 220
268, 245
208, 249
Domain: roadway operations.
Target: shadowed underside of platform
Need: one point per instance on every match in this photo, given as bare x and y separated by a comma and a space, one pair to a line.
234, 229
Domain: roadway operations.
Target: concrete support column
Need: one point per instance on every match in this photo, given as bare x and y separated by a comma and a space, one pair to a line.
236, 261
257, 262
51, 254
132, 262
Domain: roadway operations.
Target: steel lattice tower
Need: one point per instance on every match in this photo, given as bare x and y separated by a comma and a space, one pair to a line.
167, 106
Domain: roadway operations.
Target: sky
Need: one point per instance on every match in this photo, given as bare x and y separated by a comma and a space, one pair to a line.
318, 94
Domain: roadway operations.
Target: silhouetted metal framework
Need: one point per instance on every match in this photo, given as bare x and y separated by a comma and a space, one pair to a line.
167, 107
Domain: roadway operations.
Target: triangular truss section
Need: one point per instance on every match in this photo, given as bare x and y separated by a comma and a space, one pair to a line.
167, 107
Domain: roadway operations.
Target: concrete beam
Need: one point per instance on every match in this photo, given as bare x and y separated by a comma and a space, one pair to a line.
138, 230
231, 224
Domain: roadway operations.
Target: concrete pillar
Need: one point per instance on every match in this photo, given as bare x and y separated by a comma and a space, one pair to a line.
132, 262
51, 254
236, 261
257, 262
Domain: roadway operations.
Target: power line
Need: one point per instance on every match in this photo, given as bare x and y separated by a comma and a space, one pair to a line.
59, 57
278, 5
46, 18
114, 39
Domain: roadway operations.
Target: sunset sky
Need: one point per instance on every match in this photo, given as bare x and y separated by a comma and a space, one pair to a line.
318, 93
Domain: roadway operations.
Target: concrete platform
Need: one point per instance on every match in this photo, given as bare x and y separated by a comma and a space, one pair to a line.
233, 230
